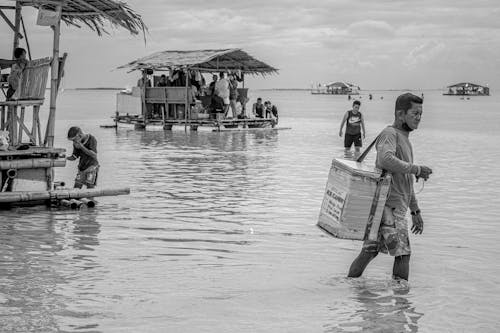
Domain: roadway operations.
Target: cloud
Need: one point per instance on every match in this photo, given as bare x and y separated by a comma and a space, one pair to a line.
424, 53
371, 28
379, 41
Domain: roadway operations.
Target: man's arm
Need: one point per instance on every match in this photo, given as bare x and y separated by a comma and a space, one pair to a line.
386, 155
92, 152
363, 126
74, 155
342, 123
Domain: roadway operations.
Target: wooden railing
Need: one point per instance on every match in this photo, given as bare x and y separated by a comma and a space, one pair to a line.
33, 80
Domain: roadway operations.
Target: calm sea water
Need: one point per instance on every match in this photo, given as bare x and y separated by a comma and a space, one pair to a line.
218, 233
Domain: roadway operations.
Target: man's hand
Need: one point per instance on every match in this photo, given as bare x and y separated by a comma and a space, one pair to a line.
425, 172
340, 133
364, 135
418, 224
71, 158
77, 144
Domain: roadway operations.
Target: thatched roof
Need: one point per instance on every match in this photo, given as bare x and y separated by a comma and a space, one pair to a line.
341, 84
465, 84
93, 13
203, 60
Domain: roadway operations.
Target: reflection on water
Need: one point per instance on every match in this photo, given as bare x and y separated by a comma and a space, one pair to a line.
41, 255
375, 306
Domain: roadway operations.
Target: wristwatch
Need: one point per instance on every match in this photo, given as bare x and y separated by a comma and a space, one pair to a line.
415, 212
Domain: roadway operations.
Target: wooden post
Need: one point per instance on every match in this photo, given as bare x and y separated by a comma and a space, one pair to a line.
165, 107
36, 120
54, 84
33, 124
13, 124
186, 108
144, 104
17, 25
2, 117
21, 122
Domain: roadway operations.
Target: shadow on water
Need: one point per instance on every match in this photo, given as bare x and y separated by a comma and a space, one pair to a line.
374, 305
42, 251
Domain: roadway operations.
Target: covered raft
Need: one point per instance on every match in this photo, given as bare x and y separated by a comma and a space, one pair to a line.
137, 107
28, 156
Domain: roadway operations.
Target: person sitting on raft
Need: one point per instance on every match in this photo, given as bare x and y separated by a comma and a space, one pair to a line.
258, 108
84, 148
271, 110
16, 71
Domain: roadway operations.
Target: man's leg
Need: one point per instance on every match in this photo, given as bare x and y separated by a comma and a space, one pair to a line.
401, 268
232, 103
357, 145
78, 180
359, 264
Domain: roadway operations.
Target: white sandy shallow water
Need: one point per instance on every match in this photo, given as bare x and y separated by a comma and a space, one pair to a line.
218, 233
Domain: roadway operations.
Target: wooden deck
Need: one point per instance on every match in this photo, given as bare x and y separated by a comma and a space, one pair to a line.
194, 123
34, 152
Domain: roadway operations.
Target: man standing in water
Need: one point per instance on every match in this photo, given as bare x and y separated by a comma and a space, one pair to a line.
355, 123
395, 155
85, 148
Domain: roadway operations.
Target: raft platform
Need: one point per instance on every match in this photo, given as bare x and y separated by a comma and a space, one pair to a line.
218, 125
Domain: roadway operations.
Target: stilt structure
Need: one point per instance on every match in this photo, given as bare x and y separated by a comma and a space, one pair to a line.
27, 166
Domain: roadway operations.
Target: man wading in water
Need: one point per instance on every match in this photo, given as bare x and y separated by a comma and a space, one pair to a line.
395, 155
355, 123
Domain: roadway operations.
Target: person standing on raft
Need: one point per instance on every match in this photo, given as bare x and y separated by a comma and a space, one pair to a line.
395, 155
84, 148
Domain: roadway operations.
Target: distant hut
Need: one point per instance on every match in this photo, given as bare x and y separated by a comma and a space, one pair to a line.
338, 88
467, 89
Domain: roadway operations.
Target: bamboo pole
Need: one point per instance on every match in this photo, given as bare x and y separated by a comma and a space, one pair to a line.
68, 203
21, 122
76, 202
2, 117
13, 124
33, 124
26, 38
186, 108
31, 163
88, 202
6, 19
144, 104
17, 26
36, 115
54, 73
12, 197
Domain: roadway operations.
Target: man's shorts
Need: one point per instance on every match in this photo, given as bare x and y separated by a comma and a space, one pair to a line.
349, 139
392, 239
88, 176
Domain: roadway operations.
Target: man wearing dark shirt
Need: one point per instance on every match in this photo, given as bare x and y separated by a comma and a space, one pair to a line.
84, 148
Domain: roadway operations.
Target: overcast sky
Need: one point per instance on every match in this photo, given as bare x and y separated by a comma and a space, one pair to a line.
380, 44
